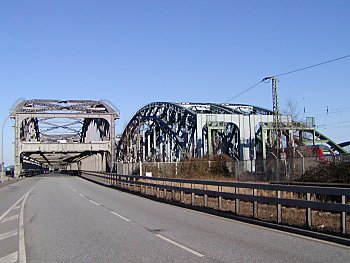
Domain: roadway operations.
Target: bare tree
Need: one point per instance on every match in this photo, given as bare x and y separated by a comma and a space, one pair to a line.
292, 109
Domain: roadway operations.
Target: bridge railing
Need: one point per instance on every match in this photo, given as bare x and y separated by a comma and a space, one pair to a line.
313, 207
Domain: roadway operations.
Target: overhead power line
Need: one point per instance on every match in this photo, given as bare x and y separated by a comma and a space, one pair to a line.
312, 66
244, 91
286, 73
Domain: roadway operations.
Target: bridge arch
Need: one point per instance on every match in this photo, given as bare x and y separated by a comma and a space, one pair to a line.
166, 131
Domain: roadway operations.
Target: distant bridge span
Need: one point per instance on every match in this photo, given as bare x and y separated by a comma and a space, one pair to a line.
69, 134
167, 132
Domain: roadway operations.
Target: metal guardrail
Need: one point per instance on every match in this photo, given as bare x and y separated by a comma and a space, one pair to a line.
153, 186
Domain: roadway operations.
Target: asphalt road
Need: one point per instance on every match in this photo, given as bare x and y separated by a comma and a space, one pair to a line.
68, 219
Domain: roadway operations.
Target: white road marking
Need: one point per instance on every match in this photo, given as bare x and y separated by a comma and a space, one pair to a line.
22, 248
120, 216
180, 246
11, 258
94, 202
16, 207
74, 190
12, 207
82, 195
8, 234
10, 218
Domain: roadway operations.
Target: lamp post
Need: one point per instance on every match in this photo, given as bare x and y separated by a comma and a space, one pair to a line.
2, 149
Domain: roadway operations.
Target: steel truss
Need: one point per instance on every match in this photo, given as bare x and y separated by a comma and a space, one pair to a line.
167, 132
58, 133
164, 131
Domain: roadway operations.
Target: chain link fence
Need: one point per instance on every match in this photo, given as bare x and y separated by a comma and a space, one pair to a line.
268, 170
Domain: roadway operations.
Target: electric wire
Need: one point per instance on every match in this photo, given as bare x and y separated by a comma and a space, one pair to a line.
312, 66
244, 91
266, 79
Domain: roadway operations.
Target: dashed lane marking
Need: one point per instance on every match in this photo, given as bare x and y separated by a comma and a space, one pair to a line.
11, 258
82, 195
10, 218
8, 234
180, 246
120, 216
16, 207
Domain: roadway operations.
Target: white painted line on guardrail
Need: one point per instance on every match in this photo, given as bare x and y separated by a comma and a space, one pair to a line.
120, 216
11, 258
94, 202
180, 246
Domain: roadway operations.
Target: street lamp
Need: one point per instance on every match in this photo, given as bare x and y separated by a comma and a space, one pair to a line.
2, 149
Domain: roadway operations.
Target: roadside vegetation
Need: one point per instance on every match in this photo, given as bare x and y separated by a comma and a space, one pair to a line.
329, 172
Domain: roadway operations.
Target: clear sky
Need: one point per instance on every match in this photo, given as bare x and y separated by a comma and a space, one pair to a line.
136, 52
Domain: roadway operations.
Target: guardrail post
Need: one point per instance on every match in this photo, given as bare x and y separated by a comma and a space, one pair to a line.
255, 204
236, 202
181, 194
205, 196
192, 196
279, 209
164, 191
220, 198
343, 216
308, 211
172, 192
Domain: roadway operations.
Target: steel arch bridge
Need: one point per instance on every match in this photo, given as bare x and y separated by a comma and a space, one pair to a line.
167, 132
64, 134
164, 131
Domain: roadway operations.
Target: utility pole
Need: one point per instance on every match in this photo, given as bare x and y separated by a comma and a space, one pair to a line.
277, 136
276, 113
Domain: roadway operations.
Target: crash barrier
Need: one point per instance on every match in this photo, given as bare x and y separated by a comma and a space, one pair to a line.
198, 192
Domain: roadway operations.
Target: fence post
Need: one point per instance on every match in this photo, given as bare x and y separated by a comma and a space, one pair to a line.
308, 211
279, 208
343, 216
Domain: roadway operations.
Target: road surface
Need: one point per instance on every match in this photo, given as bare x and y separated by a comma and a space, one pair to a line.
60, 218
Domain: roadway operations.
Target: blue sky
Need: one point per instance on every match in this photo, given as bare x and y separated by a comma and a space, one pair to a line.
136, 52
